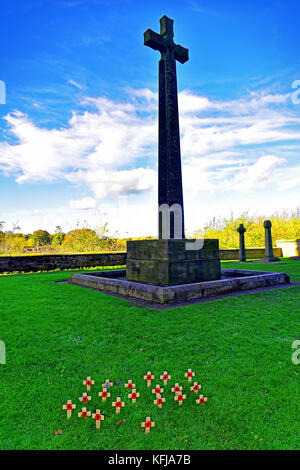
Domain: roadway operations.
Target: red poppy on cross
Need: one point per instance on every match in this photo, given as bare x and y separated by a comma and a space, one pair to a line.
98, 417
104, 394
159, 401
129, 384
179, 397
189, 374
69, 407
118, 404
84, 397
165, 377
88, 382
157, 390
133, 395
201, 400
84, 413
176, 388
196, 387
149, 377
148, 424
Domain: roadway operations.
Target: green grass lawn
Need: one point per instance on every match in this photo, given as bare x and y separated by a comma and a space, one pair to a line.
240, 348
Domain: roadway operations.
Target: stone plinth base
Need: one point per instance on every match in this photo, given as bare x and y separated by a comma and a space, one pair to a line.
233, 281
173, 261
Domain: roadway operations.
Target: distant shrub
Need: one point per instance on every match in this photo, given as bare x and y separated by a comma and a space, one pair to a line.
57, 238
41, 237
81, 240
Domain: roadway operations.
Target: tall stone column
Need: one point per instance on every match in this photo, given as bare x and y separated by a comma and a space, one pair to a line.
269, 254
242, 249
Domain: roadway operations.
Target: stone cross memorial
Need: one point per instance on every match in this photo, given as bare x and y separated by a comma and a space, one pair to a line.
242, 250
170, 260
269, 254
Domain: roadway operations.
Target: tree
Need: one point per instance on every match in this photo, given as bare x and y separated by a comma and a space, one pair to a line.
57, 238
81, 240
41, 237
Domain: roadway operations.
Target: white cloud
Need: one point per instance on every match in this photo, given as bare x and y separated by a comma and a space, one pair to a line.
111, 148
87, 203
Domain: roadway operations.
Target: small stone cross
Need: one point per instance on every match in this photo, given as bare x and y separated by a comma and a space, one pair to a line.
98, 417
148, 424
118, 404
69, 407
88, 382
84, 413
133, 395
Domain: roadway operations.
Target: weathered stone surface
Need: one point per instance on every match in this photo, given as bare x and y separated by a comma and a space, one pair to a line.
168, 262
51, 262
269, 255
169, 158
235, 280
242, 250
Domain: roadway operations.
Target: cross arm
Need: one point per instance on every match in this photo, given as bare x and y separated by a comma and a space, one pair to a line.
154, 40
181, 54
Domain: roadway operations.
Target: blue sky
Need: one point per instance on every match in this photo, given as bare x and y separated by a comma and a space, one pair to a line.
78, 132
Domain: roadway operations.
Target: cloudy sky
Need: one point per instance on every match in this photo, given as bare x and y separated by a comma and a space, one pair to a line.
78, 131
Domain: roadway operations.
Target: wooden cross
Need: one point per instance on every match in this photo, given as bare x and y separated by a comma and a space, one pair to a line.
98, 417
189, 374
84, 413
176, 388
69, 407
118, 404
196, 387
133, 395
179, 397
129, 384
149, 377
165, 377
104, 394
159, 401
157, 390
107, 384
84, 397
88, 382
201, 400
148, 425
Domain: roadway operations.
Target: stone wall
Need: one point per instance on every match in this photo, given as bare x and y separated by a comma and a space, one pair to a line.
51, 262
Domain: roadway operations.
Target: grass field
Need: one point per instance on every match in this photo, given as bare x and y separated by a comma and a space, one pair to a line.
240, 348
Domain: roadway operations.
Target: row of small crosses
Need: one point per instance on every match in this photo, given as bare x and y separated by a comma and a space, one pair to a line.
118, 404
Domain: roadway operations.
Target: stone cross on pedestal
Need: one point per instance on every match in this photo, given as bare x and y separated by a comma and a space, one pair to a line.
242, 249
269, 255
169, 158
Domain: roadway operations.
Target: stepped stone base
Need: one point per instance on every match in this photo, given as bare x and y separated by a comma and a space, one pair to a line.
173, 261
